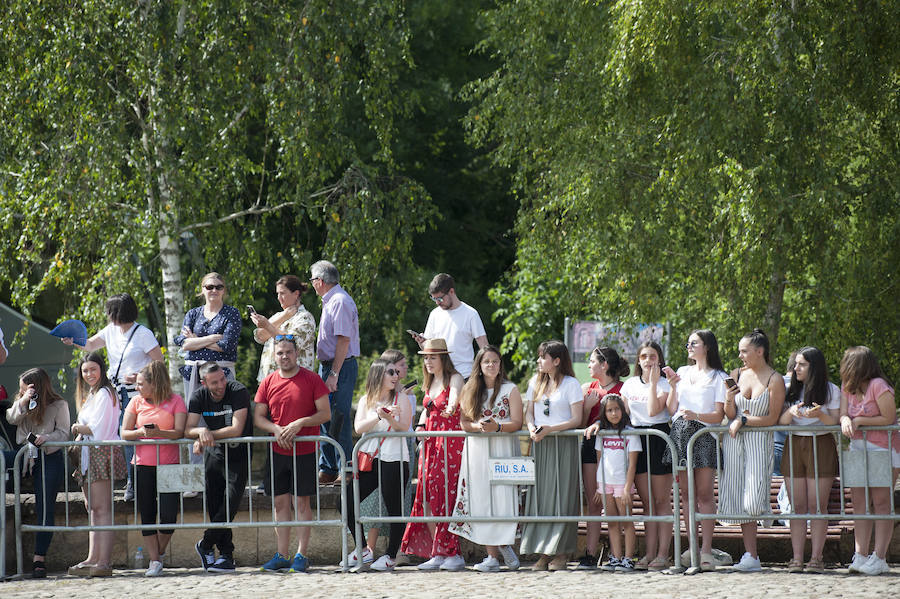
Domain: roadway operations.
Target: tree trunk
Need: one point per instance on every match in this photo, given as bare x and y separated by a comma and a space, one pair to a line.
772, 317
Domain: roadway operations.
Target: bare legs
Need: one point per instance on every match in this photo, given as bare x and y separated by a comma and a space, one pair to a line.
706, 502
802, 492
615, 506
99, 506
658, 536
283, 513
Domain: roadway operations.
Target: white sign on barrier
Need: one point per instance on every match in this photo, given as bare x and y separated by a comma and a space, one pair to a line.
512, 471
179, 478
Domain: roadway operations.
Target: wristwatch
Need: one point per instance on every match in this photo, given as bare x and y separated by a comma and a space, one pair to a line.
333, 374
743, 419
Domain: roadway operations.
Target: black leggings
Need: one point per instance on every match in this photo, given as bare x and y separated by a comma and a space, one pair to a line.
391, 491
146, 500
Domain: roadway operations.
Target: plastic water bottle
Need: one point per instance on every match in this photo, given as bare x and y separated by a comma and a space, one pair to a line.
139, 559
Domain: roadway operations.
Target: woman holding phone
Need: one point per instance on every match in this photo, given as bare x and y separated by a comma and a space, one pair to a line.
294, 319
697, 399
382, 409
645, 395
606, 369
554, 403
40, 415
810, 461
754, 400
490, 404
867, 399
156, 413
438, 463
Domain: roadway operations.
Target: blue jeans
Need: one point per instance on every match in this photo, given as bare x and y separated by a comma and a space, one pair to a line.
48, 476
340, 402
129, 449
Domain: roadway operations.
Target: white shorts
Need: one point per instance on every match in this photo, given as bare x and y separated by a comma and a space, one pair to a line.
860, 445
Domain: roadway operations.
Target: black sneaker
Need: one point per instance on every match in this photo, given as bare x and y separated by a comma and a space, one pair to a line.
224, 564
207, 556
588, 562
38, 569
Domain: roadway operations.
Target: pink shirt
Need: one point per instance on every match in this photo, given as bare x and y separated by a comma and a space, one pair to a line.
868, 406
163, 416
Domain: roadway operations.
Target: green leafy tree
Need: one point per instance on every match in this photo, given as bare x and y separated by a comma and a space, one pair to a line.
715, 164
147, 142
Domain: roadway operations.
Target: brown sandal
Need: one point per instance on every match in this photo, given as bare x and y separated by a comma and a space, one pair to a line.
795, 566
815, 566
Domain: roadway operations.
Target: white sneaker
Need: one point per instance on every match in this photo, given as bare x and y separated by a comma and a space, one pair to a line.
367, 557
383, 564
748, 563
875, 566
489, 564
454, 563
190, 494
432, 564
155, 568
509, 557
859, 560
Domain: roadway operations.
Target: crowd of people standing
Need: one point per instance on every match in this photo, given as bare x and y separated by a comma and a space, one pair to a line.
130, 397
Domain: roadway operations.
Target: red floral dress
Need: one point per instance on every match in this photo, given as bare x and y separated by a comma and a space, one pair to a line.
432, 472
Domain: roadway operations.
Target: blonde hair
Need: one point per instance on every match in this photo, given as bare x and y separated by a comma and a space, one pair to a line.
156, 375
207, 277
374, 381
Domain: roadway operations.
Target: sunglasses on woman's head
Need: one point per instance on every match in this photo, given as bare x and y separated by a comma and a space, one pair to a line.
284, 337
214, 287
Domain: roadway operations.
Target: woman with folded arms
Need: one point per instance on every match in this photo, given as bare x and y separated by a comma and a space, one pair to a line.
156, 413
867, 399
554, 403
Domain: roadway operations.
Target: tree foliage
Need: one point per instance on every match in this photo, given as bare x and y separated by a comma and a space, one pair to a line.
717, 164
145, 143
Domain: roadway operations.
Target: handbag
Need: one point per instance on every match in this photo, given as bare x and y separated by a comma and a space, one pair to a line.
74, 452
365, 460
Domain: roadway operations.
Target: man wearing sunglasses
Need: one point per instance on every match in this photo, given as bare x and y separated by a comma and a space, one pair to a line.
291, 402
337, 347
455, 321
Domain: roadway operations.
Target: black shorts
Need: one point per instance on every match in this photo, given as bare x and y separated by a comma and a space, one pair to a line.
656, 446
588, 451
284, 480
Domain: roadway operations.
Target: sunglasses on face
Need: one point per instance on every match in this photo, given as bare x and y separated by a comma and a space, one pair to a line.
392, 372
214, 287
691, 344
438, 300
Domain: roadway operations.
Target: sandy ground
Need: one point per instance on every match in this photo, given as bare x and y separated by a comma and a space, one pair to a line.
409, 582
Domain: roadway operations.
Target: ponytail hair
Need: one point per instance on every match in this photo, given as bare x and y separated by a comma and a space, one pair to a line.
616, 365
758, 338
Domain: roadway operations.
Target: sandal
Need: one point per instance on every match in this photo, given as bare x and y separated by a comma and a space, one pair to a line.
658, 564
795, 566
642, 563
38, 570
707, 562
815, 566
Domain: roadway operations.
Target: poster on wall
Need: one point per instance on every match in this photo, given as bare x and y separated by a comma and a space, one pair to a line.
585, 335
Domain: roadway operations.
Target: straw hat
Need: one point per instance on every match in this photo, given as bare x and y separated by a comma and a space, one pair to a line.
434, 346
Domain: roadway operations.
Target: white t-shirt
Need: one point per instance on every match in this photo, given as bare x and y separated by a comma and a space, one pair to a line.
700, 391
637, 394
832, 405
1, 340
613, 450
135, 356
567, 393
459, 327
391, 449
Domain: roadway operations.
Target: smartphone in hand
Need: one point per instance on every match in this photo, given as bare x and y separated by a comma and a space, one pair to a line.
32, 438
410, 384
667, 372
731, 383
149, 426
251, 309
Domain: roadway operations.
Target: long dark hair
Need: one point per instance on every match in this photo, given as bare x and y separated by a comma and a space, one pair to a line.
713, 359
623, 422
82, 389
46, 395
815, 389
474, 397
616, 365
555, 349
638, 371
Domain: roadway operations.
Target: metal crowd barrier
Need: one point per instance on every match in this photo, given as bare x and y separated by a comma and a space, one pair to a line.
582, 516
69, 483
3, 517
866, 468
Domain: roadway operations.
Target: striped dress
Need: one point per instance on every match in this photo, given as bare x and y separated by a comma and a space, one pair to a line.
744, 480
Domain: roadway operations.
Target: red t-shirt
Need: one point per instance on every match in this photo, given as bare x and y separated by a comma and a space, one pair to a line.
290, 399
595, 411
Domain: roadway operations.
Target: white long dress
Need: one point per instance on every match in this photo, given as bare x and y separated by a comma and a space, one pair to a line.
475, 495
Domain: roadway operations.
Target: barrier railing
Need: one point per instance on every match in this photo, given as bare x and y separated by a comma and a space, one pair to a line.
229, 445
860, 477
648, 516
3, 517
